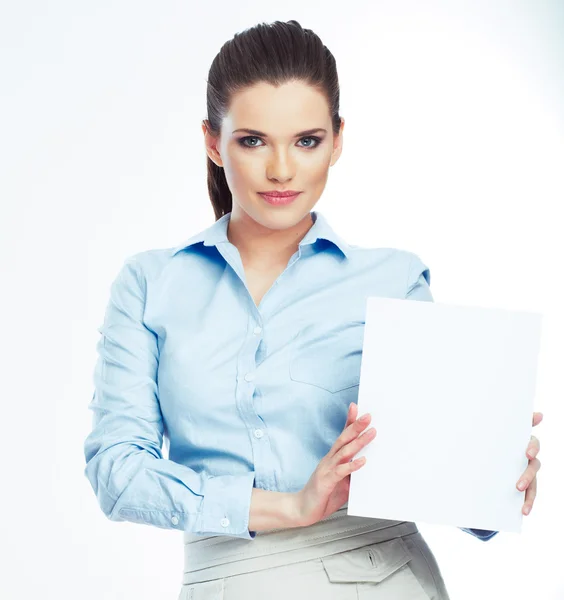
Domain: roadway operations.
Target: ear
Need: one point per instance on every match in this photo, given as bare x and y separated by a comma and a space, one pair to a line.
211, 141
337, 144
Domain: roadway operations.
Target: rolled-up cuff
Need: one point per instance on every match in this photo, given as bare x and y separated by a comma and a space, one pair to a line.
226, 506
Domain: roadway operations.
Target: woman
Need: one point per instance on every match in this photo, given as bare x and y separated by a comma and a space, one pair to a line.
243, 345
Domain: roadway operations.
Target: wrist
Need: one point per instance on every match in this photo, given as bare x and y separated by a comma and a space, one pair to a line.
274, 510
294, 509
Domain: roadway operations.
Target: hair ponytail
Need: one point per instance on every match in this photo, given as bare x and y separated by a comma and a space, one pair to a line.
218, 190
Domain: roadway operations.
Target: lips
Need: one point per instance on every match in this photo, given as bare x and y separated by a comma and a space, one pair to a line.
280, 194
279, 198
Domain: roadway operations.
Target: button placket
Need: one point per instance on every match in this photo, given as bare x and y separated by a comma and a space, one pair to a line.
247, 366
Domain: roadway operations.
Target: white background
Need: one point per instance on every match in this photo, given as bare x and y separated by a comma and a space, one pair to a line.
453, 149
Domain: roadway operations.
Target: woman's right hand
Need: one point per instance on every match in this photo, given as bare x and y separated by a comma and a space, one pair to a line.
328, 487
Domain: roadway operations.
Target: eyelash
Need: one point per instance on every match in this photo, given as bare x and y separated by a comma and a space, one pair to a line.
240, 141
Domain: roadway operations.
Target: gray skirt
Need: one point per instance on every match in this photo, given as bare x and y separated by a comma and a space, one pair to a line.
341, 557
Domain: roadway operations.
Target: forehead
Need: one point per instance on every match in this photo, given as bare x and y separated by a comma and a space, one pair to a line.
291, 106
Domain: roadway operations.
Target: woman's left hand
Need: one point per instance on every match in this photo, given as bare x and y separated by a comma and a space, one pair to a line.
529, 478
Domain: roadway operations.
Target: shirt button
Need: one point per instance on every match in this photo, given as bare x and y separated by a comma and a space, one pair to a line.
174, 520
224, 522
258, 433
249, 376
257, 330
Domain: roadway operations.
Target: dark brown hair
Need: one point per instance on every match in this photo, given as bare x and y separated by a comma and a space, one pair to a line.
274, 53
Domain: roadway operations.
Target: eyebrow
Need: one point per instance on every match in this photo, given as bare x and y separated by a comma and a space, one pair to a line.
300, 134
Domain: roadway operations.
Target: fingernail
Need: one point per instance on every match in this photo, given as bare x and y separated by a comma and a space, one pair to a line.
522, 484
365, 417
527, 510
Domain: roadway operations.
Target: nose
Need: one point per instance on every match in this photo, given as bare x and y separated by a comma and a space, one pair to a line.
280, 167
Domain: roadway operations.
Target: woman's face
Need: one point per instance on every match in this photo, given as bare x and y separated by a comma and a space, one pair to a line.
277, 159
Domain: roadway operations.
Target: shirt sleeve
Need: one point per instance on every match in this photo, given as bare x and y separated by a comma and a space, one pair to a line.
418, 282
124, 463
482, 534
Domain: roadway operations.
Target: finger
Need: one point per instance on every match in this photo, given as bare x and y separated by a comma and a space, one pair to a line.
534, 447
530, 496
537, 418
351, 414
529, 474
355, 446
350, 433
346, 468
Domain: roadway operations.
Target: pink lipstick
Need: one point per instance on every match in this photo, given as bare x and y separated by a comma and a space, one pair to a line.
280, 198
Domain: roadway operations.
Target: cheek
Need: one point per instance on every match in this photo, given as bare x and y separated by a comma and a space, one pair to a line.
316, 166
241, 169
238, 174
317, 173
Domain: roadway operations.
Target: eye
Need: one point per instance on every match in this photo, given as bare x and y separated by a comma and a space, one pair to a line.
244, 139
315, 139
241, 141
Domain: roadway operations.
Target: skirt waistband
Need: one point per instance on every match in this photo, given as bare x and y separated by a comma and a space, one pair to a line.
211, 557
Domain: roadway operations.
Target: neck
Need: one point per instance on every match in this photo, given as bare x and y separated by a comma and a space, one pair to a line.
263, 246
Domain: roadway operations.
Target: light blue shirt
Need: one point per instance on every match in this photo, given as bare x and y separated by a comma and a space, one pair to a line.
241, 395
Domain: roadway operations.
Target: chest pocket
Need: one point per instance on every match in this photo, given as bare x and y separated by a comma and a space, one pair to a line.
327, 355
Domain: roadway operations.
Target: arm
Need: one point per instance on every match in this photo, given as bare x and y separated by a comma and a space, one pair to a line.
273, 510
124, 463
419, 279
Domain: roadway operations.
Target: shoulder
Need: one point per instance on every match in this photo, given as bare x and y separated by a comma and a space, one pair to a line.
396, 259
404, 267
150, 264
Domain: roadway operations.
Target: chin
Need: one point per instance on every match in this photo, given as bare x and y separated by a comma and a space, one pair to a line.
276, 217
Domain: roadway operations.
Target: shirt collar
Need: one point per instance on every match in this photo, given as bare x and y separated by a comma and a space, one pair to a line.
217, 234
